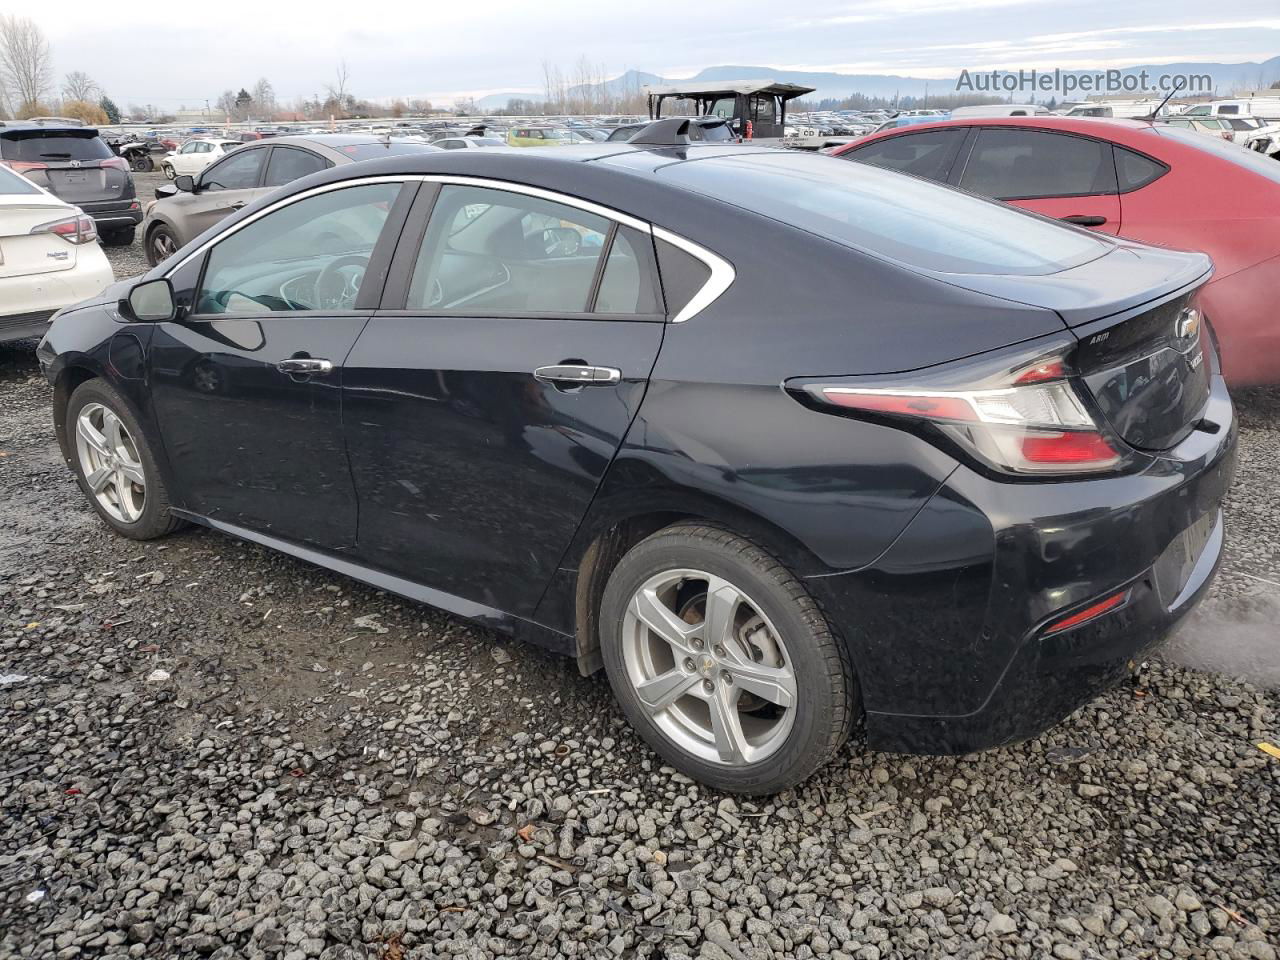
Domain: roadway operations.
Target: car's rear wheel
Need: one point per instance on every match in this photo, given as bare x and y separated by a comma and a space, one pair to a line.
723, 662
167, 170
161, 244
114, 463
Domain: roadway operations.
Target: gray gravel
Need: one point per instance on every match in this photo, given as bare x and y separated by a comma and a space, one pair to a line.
209, 750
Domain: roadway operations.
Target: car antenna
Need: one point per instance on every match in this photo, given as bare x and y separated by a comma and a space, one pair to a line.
1177, 85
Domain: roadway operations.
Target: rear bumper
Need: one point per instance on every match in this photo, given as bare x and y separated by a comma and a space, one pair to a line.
947, 628
28, 302
114, 214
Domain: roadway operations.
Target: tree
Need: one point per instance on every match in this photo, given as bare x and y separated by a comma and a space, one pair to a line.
26, 63
88, 113
339, 98
77, 85
226, 104
264, 99
110, 109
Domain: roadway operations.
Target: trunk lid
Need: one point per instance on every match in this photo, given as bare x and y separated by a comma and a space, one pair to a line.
23, 253
73, 164
1143, 347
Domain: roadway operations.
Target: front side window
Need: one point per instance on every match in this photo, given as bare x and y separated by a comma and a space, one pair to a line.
309, 255
928, 154
1023, 164
492, 251
239, 171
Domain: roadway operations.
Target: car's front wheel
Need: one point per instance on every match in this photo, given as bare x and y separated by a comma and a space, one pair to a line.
161, 243
114, 463
167, 170
722, 661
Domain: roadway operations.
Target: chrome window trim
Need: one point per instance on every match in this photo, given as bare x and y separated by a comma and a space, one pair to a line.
722, 272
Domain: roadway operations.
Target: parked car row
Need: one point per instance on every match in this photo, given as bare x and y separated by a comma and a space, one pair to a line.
515, 365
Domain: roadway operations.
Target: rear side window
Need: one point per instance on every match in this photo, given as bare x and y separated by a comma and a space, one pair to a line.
626, 286
1024, 164
1229, 108
928, 154
921, 224
288, 164
39, 146
1135, 170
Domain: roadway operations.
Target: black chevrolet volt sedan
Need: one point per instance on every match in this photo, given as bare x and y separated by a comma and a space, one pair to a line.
786, 445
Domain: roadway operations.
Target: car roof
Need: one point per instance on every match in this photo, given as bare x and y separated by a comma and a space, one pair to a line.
12, 126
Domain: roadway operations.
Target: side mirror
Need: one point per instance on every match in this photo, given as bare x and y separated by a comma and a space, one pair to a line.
149, 302
561, 241
186, 183
165, 190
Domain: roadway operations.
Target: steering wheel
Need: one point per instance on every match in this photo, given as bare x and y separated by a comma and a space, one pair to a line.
335, 290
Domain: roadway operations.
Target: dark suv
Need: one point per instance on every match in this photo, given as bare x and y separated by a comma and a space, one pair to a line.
75, 164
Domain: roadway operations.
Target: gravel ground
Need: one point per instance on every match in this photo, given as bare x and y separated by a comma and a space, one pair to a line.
207, 749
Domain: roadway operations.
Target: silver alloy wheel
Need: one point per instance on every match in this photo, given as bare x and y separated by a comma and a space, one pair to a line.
716, 680
163, 246
110, 462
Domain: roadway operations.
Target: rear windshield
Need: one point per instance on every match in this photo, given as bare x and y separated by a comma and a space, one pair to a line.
376, 148
13, 185
1241, 156
888, 214
39, 146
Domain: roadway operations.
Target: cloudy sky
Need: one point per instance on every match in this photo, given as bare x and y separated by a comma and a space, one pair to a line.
139, 53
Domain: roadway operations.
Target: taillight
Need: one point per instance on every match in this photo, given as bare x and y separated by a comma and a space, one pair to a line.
1025, 420
77, 229
117, 163
1091, 612
22, 166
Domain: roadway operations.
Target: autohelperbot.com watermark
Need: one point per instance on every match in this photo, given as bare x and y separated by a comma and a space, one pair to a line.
1069, 82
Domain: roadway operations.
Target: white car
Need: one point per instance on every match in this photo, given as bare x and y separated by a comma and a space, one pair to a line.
49, 257
196, 154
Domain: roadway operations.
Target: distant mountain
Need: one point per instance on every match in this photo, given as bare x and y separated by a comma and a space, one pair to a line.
1226, 77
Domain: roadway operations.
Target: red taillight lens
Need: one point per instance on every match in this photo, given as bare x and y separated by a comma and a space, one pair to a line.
116, 163
22, 166
77, 229
1091, 612
1027, 420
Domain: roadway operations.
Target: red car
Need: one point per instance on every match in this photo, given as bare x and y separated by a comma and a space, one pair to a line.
1146, 181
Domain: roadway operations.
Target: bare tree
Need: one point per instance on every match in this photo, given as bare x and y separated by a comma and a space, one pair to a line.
77, 85
264, 99
26, 63
338, 89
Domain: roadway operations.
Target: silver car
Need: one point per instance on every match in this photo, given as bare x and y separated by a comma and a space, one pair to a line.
192, 204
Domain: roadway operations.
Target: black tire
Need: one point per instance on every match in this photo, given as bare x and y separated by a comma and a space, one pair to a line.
156, 518
827, 702
145, 163
157, 237
167, 170
118, 237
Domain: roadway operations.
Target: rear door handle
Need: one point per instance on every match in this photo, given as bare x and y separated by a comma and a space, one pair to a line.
306, 366
1085, 220
578, 376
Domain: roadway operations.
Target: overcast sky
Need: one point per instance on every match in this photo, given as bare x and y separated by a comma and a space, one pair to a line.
179, 54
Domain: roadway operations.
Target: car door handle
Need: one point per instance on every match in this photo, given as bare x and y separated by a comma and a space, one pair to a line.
1084, 220
566, 374
239, 204
306, 366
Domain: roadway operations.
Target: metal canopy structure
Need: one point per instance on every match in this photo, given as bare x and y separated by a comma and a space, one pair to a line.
727, 88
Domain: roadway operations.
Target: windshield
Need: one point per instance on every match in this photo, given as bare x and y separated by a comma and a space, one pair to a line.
1258, 163
11, 184
891, 215
39, 146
